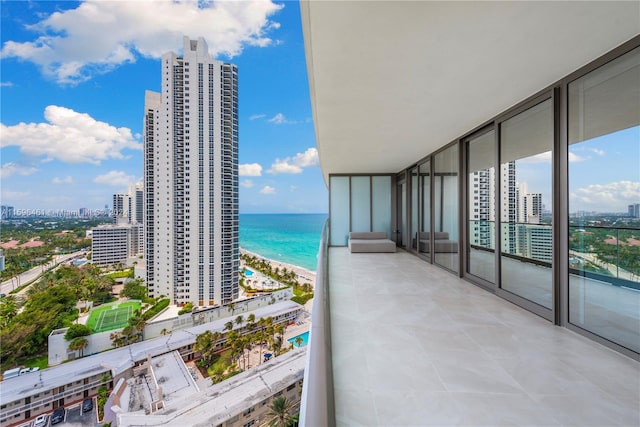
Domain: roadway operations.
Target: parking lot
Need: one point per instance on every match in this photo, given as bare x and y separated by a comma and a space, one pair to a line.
74, 417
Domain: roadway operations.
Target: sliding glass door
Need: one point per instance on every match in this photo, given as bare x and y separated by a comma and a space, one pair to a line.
481, 206
526, 176
446, 202
604, 201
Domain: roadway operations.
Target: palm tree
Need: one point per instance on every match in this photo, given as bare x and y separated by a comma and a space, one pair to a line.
228, 326
280, 412
205, 344
298, 340
251, 320
165, 331
232, 307
79, 343
239, 321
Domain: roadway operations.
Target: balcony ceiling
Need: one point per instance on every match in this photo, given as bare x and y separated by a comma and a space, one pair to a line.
391, 81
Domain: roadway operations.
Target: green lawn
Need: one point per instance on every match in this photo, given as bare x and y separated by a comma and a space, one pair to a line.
112, 316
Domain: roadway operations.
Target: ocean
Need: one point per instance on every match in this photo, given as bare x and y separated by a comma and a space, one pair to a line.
289, 238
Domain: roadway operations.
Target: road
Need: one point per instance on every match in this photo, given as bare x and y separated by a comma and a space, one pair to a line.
613, 269
30, 275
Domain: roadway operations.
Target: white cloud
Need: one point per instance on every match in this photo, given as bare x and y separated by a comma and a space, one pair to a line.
257, 116
115, 179
296, 163
250, 169
69, 136
597, 151
293, 188
11, 168
546, 158
66, 180
267, 189
284, 166
246, 183
97, 36
308, 158
611, 197
280, 119
6, 84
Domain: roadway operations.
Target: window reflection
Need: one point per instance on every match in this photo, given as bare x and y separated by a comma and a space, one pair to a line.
526, 145
604, 189
481, 206
445, 184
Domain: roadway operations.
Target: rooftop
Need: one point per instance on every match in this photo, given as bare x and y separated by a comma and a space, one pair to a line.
119, 359
221, 401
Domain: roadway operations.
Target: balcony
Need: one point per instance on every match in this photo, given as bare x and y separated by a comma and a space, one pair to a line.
397, 341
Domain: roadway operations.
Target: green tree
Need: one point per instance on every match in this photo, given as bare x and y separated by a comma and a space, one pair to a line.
239, 321
228, 326
205, 344
280, 412
134, 289
79, 343
187, 308
8, 310
77, 330
298, 340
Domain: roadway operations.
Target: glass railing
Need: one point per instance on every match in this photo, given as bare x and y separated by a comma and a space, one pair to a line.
317, 404
609, 254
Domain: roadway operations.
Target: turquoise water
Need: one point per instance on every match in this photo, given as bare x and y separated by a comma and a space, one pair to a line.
290, 238
248, 273
305, 339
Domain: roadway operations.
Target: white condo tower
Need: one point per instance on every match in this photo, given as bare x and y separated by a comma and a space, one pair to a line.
191, 179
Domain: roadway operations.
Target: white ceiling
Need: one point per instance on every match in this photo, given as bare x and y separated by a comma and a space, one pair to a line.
392, 81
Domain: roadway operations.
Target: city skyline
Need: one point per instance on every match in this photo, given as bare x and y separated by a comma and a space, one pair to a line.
51, 100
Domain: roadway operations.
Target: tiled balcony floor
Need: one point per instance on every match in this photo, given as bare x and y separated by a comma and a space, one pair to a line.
415, 345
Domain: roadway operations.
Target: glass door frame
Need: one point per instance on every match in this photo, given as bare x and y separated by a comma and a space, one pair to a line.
464, 254
546, 313
401, 210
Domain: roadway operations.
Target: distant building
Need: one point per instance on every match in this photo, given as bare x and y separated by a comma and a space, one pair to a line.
634, 210
129, 205
7, 212
1, 260
114, 243
83, 212
191, 179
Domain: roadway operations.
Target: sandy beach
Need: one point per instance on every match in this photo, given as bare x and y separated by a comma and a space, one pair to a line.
304, 275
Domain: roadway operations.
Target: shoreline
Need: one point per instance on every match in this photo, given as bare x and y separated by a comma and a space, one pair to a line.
304, 275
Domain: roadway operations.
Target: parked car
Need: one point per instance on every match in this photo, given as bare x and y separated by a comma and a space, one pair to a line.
87, 405
41, 421
57, 416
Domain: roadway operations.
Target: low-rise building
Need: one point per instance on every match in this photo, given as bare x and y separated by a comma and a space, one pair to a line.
243, 400
115, 243
26, 396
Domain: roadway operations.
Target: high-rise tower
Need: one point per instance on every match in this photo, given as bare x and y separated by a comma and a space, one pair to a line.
191, 179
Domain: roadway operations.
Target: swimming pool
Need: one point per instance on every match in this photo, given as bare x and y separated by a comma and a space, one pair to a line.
248, 273
305, 339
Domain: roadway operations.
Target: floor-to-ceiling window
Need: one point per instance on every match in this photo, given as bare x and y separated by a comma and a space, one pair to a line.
604, 201
481, 206
415, 207
526, 190
446, 202
358, 203
339, 211
401, 214
424, 184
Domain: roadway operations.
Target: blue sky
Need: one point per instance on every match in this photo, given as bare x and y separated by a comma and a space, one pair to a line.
72, 98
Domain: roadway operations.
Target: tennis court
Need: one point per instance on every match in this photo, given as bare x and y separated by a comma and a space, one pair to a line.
114, 316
